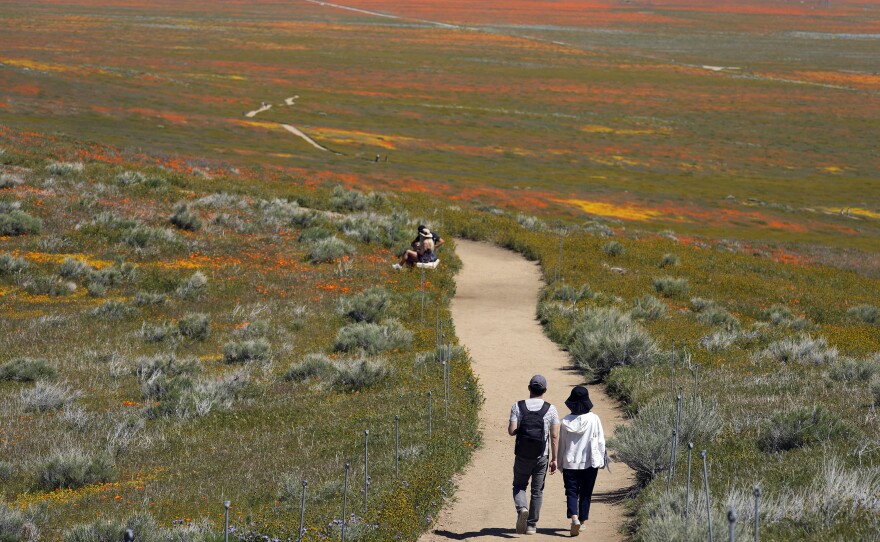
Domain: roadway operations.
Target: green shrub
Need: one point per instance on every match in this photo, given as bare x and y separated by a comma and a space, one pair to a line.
874, 386
75, 269
258, 350
613, 248
7, 471
802, 349
9, 181
65, 168
48, 285
359, 374
647, 307
669, 260
194, 326
531, 223
194, 287
14, 526
184, 218
27, 370
141, 237
343, 200
45, 396
670, 286
312, 366
156, 333
865, 313
366, 228
112, 310
367, 306
606, 338
711, 314
645, 444
146, 530
129, 178
73, 469
10, 265
18, 222
572, 294
373, 338
329, 249
854, 370
314, 233
799, 428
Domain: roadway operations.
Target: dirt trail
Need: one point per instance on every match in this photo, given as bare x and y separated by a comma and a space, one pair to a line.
494, 315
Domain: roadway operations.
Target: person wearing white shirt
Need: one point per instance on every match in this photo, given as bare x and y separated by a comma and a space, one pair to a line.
581, 455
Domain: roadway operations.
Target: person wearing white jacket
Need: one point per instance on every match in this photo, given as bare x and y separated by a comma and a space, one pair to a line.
581, 455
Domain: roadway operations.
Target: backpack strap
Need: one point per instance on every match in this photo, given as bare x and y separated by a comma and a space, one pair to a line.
522, 409
544, 409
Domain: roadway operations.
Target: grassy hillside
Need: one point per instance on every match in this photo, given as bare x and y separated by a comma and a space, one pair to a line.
168, 345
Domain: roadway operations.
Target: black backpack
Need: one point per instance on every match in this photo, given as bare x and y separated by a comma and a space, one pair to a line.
530, 437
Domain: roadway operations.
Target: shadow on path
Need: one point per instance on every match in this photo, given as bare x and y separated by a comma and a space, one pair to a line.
497, 532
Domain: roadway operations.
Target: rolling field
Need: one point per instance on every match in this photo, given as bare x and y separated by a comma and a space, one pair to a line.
745, 121
199, 203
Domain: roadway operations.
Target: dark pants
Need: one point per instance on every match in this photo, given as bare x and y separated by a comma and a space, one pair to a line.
579, 484
523, 470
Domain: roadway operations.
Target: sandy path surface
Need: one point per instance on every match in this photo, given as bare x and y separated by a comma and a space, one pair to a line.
255, 112
494, 315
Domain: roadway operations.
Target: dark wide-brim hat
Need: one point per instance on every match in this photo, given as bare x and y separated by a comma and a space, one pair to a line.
579, 401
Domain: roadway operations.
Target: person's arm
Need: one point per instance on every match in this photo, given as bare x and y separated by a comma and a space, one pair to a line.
438, 242
511, 428
601, 437
513, 423
554, 446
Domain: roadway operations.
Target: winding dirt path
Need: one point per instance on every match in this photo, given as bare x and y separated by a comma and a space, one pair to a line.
494, 315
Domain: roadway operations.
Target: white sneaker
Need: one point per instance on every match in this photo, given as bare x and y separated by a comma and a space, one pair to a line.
397, 266
522, 518
575, 528
532, 530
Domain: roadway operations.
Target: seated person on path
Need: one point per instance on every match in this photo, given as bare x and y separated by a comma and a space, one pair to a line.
422, 252
535, 423
581, 455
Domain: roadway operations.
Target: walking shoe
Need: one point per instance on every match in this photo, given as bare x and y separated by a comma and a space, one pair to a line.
522, 517
575, 528
532, 530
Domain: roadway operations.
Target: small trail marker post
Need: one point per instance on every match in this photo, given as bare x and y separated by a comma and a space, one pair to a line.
430, 414
302, 512
671, 461
345, 499
226, 505
397, 447
708, 507
687, 494
366, 467
756, 491
731, 524
696, 373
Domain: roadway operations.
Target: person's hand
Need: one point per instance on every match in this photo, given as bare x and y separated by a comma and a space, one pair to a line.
553, 467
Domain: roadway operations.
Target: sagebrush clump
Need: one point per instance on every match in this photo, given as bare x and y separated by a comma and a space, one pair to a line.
613, 248
801, 349
868, 314
46, 396
27, 370
799, 428
606, 338
670, 286
184, 218
647, 307
312, 366
360, 374
73, 469
257, 350
367, 306
373, 338
194, 326
329, 249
